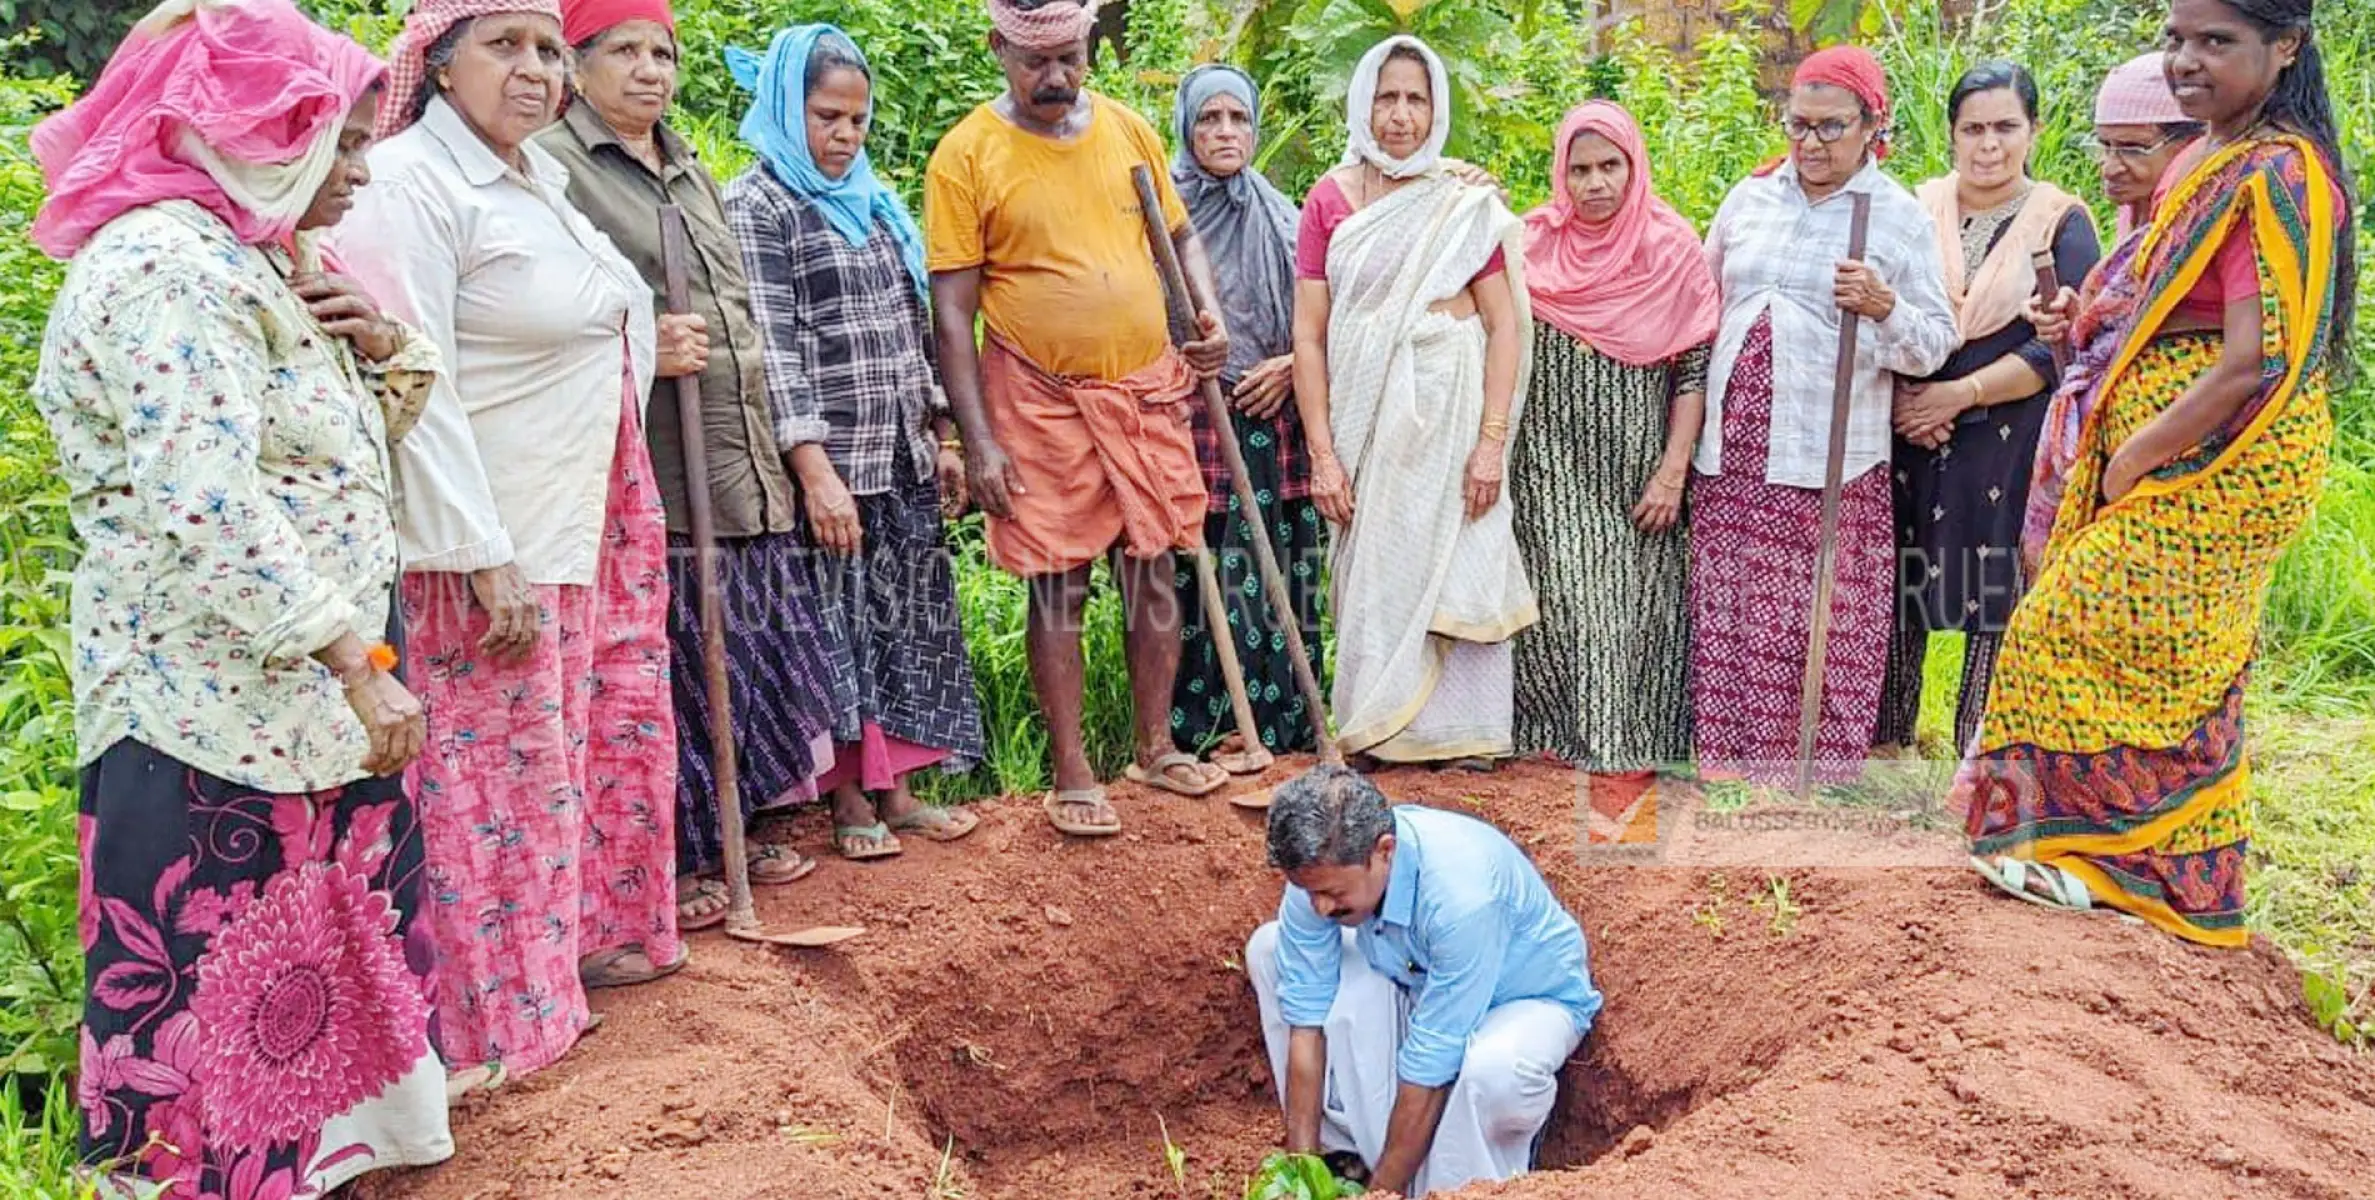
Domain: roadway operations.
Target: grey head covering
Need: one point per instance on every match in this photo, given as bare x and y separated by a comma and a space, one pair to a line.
1248, 226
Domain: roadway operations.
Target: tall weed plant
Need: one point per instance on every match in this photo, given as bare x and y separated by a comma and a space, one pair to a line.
40, 954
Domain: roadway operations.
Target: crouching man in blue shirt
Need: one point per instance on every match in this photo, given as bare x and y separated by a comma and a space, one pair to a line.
1419, 990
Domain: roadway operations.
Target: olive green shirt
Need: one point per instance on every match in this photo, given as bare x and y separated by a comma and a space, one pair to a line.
750, 488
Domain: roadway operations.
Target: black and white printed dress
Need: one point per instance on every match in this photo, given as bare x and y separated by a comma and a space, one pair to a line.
1602, 680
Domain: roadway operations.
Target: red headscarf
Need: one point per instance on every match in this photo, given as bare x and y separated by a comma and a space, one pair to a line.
1852, 68
585, 19
234, 106
1637, 287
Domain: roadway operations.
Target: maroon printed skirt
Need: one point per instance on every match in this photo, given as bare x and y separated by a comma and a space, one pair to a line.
1753, 548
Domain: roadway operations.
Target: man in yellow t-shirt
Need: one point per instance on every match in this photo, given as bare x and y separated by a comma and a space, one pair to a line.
1074, 411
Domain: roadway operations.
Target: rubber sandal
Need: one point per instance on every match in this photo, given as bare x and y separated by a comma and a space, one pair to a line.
691, 914
485, 1077
2013, 876
1159, 776
1056, 802
865, 843
938, 824
767, 867
1244, 762
606, 973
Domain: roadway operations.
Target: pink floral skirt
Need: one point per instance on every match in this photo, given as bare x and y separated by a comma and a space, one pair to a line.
256, 1024
548, 789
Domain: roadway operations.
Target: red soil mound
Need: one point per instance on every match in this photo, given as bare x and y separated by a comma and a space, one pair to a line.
1029, 1014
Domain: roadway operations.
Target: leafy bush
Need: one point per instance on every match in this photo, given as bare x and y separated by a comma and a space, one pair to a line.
40, 955
68, 38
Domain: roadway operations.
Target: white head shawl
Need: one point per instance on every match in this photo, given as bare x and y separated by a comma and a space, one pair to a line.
1361, 141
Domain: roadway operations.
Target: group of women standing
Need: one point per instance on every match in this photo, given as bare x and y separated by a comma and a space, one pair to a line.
357, 835
1575, 464
387, 650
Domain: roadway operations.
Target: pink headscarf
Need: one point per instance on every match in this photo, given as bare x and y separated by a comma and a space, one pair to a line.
1636, 288
234, 105
1053, 23
2136, 92
408, 58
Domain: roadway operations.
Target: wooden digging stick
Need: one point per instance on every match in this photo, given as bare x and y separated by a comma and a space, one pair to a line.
1216, 409
1826, 558
2049, 285
742, 920
1253, 757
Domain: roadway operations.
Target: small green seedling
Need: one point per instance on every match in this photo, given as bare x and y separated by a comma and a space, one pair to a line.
1781, 912
1298, 1177
1174, 1155
2330, 1005
1710, 915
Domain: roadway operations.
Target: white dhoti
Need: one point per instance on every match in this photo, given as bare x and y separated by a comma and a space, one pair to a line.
1497, 1107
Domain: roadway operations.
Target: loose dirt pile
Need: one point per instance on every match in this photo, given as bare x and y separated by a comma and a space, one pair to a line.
1029, 1014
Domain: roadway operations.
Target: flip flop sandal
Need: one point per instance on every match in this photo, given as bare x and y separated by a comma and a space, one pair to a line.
1057, 802
485, 1077
865, 843
606, 972
705, 908
938, 824
773, 864
2062, 891
1159, 776
1244, 762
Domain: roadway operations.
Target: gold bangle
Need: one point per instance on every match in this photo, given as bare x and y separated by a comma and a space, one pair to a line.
1496, 429
952, 444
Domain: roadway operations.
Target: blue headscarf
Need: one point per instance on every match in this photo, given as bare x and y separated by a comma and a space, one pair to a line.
777, 128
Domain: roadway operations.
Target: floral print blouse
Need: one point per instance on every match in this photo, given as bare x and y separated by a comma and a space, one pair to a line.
228, 474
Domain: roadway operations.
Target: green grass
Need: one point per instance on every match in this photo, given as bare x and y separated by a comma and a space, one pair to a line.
2313, 849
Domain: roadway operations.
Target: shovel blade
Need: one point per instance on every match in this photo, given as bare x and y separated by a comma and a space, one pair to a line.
1257, 800
814, 938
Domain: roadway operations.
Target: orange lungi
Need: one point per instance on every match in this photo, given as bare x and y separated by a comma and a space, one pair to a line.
1100, 462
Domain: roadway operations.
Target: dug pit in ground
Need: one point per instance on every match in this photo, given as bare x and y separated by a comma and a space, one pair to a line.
1030, 1016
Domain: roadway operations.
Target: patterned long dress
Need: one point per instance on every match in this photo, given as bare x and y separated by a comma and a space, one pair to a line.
256, 1019
2114, 746
1201, 713
1601, 680
547, 787
1753, 547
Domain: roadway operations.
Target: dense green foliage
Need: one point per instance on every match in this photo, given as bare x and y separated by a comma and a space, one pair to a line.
40, 958
1520, 63
74, 37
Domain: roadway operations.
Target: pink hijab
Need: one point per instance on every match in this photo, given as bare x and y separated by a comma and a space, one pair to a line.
234, 105
1637, 288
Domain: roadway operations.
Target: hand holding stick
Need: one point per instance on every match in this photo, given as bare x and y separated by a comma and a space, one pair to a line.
1826, 559
1216, 409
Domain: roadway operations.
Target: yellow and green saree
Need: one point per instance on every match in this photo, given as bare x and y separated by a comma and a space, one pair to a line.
2113, 744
